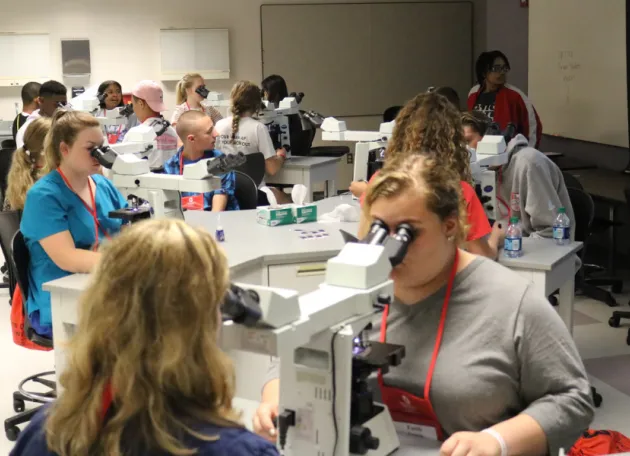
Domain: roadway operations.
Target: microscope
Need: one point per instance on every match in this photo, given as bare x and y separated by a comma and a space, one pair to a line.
369, 151
162, 192
89, 102
489, 156
326, 407
276, 119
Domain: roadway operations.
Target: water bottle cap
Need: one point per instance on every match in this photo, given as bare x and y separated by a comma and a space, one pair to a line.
562, 210
513, 220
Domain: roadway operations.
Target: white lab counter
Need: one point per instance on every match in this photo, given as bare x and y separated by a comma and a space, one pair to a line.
277, 257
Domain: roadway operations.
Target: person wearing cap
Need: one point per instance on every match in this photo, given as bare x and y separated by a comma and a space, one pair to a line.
148, 103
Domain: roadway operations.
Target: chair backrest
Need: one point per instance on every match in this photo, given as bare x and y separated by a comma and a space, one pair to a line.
6, 156
9, 225
21, 260
571, 181
8, 144
584, 211
246, 191
391, 113
254, 167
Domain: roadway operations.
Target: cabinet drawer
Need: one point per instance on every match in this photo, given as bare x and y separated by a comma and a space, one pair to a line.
302, 277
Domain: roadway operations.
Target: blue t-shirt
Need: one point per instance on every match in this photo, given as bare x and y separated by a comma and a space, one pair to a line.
51, 208
228, 180
231, 441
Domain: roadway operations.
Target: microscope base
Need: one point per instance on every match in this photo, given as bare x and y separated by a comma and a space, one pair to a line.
382, 428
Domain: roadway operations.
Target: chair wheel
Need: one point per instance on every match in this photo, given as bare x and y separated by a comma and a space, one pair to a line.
18, 405
614, 322
617, 288
12, 433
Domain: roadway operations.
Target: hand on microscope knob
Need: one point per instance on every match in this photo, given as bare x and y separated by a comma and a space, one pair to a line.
497, 235
264, 420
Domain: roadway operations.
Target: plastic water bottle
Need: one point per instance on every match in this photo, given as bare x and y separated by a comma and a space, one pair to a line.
514, 239
562, 228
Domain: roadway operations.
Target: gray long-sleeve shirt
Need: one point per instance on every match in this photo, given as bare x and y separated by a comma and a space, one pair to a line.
504, 351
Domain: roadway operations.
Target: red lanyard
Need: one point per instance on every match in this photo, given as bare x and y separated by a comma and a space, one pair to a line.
91, 210
181, 163
440, 332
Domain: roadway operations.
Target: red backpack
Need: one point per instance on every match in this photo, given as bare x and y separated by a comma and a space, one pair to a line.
597, 443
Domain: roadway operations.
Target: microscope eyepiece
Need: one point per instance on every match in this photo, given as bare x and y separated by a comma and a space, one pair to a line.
241, 306
377, 234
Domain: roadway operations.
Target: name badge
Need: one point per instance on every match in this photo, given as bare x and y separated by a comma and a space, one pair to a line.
418, 430
193, 202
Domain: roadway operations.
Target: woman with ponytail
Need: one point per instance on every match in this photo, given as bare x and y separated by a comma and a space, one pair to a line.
27, 164
189, 100
66, 214
242, 133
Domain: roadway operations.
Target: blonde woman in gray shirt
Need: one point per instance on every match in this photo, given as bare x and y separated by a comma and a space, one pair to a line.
490, 368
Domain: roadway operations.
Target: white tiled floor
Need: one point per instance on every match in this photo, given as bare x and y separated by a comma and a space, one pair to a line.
594, 341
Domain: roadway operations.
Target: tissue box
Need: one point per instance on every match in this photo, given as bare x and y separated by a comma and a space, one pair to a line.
276, 216
305, 214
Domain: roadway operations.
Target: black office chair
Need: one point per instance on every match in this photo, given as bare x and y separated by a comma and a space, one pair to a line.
391, 113
615, 320
8, 144
9, 225
591, 278
6, 156
246, 191
584, 211
20, 259
254, 167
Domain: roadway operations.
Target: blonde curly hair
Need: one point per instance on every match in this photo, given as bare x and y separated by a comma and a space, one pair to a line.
429, 124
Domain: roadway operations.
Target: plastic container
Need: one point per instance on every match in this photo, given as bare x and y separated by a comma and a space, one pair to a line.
513, 247
562, 228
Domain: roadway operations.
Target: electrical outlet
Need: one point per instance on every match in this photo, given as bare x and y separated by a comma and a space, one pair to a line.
350, 159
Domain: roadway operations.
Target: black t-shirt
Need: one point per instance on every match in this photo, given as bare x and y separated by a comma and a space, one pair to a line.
19, 121
485, 103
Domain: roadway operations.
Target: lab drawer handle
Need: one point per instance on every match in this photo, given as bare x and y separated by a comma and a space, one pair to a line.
311, 270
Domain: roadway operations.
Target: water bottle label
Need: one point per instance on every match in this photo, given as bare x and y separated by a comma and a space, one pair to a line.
561, 232
512, 244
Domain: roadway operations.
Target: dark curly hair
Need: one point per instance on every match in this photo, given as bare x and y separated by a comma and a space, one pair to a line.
430, 125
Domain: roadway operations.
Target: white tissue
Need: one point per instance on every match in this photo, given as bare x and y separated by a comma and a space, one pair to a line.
273, 202
342, 213
298, 194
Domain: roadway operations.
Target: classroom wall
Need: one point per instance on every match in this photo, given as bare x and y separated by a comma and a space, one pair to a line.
507, 30
124, 36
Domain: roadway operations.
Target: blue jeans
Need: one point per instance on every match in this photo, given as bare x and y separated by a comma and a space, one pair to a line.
42, 330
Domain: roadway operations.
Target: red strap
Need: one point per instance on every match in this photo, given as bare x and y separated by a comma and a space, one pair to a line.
91, 210
181, 163
108, 398
440, 332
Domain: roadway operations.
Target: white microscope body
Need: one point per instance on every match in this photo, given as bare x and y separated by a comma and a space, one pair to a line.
315, 336
490, 153
366, 141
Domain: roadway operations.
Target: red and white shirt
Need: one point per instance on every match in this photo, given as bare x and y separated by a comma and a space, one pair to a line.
512, 106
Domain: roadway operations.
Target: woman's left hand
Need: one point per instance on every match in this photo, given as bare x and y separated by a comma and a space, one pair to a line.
471, 444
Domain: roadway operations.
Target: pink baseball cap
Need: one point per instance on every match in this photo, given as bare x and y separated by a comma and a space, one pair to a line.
151, 92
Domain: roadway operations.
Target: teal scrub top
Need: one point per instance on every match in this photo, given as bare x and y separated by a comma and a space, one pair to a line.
51, 208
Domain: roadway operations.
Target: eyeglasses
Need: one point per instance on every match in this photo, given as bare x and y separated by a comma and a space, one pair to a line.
500, 69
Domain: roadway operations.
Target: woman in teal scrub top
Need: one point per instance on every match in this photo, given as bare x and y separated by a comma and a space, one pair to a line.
66, 212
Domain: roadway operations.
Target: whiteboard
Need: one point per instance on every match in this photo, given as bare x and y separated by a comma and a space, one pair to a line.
204, 51
24, 57
359, 59
577, 68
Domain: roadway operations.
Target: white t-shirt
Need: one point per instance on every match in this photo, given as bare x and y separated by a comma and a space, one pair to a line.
166, 145
19, 137
252, 137
210, 111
